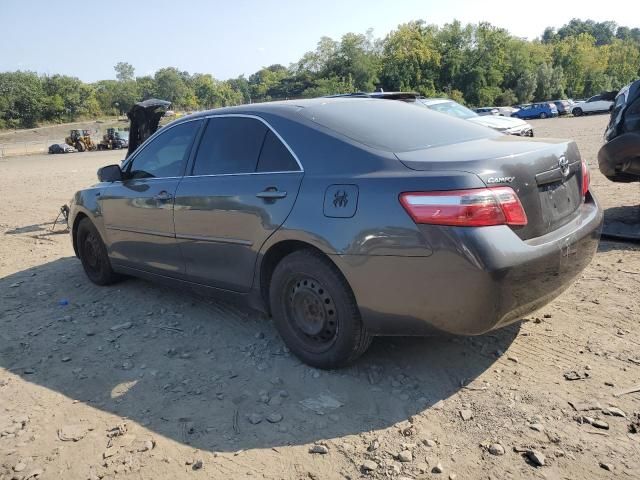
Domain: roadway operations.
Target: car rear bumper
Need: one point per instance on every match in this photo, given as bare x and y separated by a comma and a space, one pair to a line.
476, 280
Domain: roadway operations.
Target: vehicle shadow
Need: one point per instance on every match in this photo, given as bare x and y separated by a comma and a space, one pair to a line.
210, 374
621, 224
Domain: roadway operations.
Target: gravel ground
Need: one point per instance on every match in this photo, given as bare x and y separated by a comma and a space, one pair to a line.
143, 381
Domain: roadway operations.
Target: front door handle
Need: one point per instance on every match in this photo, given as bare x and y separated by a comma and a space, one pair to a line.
163, 196
271, 193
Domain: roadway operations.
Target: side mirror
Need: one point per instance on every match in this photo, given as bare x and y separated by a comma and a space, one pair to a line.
110, 173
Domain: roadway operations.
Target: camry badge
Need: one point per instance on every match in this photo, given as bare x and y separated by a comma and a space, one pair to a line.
500, 179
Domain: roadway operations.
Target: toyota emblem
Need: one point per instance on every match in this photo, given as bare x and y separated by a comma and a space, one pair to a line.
563, 163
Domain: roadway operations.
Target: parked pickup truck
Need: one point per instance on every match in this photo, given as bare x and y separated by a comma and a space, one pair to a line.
597, 104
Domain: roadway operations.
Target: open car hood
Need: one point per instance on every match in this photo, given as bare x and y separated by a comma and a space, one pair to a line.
144, 118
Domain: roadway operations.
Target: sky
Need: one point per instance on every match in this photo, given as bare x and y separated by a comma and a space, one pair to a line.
228, 38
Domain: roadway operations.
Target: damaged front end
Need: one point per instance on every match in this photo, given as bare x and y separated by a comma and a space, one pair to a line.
144, 118
619, 158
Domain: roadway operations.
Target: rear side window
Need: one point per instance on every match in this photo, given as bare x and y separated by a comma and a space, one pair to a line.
230, 145
275, 157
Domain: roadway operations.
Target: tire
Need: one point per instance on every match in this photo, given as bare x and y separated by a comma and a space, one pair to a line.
315, 311
543, 115
577, 112
80, 146
93, 254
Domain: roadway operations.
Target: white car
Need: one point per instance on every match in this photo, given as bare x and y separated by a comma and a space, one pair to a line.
508, 125
596, 104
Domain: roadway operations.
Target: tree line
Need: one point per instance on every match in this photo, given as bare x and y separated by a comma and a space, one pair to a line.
477, 64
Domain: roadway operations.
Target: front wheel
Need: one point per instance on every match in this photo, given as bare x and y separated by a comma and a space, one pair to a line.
315, 311
577, 112
93, 254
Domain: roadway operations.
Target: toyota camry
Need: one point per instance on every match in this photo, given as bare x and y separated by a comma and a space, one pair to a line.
345, 218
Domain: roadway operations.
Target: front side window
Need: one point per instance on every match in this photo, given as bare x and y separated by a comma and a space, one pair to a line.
165, 155
230, 145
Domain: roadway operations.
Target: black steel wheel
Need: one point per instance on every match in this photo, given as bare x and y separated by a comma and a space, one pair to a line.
315, 311
93, 254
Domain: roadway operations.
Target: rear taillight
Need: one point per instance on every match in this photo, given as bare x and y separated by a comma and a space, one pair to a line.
586, 178
466, 208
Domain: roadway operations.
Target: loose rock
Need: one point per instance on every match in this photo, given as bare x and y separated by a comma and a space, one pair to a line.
254, 418
538, 427
197, 465
585, 406
71, 433
369, 466
274, 417
321, 449
122, 326
438, 468
466, 414
405, 456
537, 458
614, 411
606, 466
496, 449
600, 424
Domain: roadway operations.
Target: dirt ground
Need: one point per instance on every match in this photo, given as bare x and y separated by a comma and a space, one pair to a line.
143, 381
57, 133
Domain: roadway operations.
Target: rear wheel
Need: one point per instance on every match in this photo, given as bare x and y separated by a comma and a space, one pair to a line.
577, 112
93, 254
543, 115
315, 311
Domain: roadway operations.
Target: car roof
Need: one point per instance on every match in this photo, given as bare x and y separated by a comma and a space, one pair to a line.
384, 126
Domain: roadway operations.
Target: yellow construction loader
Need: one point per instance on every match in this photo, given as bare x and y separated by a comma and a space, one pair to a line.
80, 140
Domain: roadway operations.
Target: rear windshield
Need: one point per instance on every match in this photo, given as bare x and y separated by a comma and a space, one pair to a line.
391, 125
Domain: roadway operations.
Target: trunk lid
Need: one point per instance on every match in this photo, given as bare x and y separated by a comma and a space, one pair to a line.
144, 118
546, 174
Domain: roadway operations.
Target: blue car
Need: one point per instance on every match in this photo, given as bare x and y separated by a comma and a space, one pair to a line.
536, 110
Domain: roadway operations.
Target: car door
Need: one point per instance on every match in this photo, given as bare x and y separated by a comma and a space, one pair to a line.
240, 188
138, 211
595, 103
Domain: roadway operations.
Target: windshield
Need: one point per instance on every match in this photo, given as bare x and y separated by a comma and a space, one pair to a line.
451, 108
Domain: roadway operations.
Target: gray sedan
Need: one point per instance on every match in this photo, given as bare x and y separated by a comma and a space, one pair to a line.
345, 218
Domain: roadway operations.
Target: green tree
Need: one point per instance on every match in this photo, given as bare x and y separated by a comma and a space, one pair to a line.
170, 85
124, 71
329, 86
23, 99
410, 59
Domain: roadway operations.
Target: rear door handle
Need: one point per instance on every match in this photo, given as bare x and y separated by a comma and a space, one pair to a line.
271, 193
163, 196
